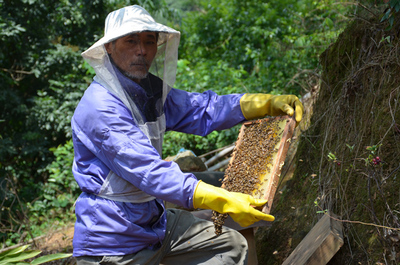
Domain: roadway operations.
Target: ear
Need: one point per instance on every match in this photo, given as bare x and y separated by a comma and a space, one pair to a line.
108, 47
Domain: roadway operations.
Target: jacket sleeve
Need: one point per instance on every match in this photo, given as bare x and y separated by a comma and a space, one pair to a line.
201, 113
105, 126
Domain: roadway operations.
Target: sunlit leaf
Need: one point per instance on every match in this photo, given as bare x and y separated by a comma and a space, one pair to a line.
13, 251
50, 257
20, 256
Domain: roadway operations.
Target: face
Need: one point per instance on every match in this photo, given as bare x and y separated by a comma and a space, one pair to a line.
133, 54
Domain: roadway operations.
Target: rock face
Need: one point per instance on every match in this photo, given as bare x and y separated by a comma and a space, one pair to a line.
347, 159
188, 162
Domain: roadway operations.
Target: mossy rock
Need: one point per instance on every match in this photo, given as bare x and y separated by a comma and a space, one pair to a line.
356, 117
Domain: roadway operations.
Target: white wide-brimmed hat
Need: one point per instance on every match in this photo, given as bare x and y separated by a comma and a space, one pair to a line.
129, 20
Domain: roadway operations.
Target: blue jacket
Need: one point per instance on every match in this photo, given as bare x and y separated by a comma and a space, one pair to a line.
106, 138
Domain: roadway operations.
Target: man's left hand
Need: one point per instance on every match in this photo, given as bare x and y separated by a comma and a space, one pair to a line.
259, 105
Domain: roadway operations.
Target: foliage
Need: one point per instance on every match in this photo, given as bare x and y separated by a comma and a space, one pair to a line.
39, 53
42, 77
272, 44
389, 15
19, 254
59, 192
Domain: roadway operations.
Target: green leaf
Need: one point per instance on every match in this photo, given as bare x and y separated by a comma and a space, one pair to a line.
300, 41
332, 156
397, 7
391, 20
351, 147
386, 15
20, 256
50, 257
392, 3
328, 22
13, 251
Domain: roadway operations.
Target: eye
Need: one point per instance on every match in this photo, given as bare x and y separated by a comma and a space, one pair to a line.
132, 41
151, 42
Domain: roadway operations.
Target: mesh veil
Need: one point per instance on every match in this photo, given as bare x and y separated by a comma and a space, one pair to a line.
119, 23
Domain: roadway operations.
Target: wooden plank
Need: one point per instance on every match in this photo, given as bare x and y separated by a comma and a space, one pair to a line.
271, 180
320, 244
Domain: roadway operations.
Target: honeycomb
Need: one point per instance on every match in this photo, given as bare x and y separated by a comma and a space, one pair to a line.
253, 168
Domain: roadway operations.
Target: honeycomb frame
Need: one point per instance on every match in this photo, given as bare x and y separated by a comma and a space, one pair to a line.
257, 161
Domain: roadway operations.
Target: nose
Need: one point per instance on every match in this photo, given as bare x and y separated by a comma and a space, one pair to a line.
141, 49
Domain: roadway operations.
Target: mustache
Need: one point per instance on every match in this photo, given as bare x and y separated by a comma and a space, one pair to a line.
140, 62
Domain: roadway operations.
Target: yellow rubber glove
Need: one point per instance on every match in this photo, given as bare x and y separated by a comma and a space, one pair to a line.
259, 105
237, 205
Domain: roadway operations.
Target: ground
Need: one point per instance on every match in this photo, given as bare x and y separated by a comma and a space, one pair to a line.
59, 241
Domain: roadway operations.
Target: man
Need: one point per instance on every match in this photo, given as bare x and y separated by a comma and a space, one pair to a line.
118, 128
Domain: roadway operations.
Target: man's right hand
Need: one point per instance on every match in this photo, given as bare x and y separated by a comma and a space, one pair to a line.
238, 205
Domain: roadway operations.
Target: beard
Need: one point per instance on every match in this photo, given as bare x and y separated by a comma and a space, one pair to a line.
137, 75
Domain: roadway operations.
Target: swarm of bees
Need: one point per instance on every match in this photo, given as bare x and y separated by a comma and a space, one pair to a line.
251, 161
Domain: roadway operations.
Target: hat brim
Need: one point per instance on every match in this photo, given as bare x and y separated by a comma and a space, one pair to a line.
129, 28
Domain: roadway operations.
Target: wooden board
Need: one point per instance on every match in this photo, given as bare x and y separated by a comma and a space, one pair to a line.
273, 158
319, 245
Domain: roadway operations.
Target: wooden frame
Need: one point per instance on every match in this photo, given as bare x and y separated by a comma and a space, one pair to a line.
269, 180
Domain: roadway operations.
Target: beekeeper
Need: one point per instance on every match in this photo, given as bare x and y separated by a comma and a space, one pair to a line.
118, 128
